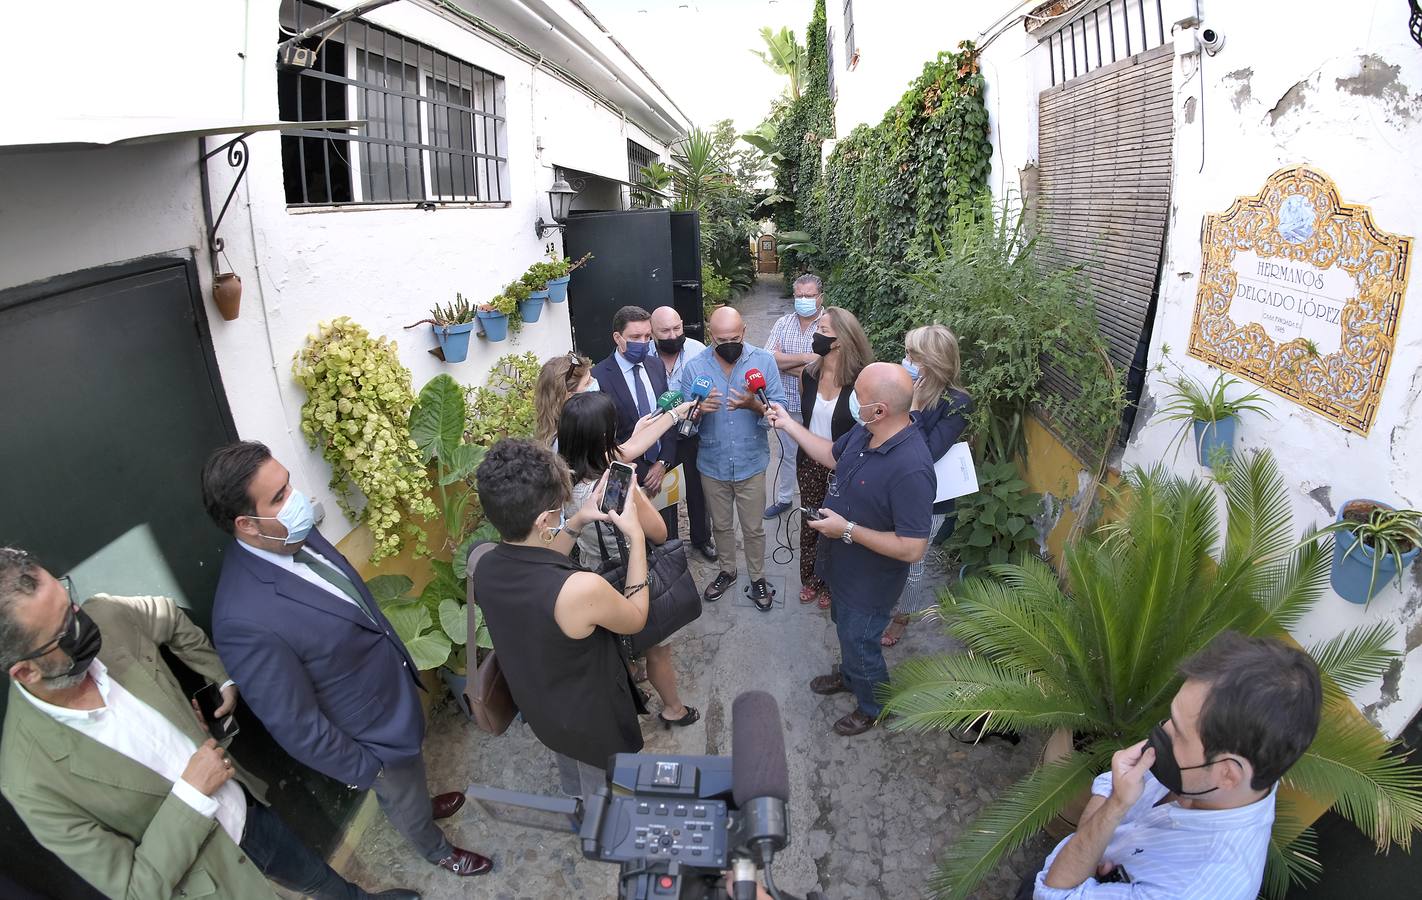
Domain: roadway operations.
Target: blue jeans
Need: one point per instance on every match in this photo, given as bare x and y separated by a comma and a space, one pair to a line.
284, 859
862, 663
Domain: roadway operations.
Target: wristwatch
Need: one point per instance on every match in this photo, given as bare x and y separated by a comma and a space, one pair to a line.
848, 536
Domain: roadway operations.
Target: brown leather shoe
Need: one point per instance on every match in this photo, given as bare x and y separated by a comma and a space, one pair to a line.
466, 862
855, 723
442, 806
833, 683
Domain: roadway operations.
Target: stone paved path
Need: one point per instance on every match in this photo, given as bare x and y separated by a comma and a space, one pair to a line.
869, 815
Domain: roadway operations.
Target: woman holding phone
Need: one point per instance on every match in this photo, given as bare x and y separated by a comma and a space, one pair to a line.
587, 441
555, 624
569, 375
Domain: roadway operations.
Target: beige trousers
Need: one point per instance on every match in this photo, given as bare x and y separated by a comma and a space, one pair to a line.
745, 499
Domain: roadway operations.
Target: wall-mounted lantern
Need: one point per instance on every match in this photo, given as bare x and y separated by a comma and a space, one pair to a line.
560, 198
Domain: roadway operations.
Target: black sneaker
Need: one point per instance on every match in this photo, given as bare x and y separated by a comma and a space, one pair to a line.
723, 582
761, 595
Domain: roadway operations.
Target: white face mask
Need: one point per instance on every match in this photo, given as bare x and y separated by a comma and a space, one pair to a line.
296, 514
592, 387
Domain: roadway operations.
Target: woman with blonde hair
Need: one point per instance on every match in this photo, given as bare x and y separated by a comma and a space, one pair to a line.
940, 408
560, 378
825, 385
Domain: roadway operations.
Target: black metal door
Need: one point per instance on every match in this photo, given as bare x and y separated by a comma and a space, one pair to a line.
631, 265
112, 401
686, 272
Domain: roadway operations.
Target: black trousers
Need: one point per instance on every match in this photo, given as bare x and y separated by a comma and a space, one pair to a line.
284, 859
696, 512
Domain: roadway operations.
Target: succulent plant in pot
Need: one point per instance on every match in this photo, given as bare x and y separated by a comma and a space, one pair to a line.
530, 308
1373, 543
1213, 416
494, 316
559, 271
452, 325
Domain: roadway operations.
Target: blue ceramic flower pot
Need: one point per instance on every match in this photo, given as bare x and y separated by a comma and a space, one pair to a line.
1214, 441
454, 341
1352, 571
532, 308
558, 289
495, 325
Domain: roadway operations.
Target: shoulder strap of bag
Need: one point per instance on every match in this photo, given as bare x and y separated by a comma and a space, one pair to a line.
475, 555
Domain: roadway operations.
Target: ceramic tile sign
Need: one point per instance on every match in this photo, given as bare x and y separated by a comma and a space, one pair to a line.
1301, 293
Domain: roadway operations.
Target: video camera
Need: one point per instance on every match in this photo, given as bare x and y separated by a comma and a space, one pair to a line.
673, 824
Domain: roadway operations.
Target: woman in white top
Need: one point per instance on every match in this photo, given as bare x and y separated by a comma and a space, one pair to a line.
587, 441
825, 386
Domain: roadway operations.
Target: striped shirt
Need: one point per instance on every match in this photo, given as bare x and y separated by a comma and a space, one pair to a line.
1168, 852
786, 337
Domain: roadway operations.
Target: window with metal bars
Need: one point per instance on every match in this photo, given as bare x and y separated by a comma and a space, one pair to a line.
829, 60
851, 55
435, 128
638, 158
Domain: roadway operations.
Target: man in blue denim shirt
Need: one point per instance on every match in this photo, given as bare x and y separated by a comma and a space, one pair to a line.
735, 448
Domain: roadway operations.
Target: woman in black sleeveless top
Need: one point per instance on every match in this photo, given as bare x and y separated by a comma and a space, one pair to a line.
553, 623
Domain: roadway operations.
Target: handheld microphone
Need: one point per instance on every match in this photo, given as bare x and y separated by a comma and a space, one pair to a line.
700, 390
755, 383
760, 779
667, 402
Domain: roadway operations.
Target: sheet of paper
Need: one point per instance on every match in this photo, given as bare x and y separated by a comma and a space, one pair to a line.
956, 474
673, 489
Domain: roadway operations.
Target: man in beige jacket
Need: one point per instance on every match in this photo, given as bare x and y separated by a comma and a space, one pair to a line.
109, 765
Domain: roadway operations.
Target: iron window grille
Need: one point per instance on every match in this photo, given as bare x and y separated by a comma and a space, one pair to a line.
851, 55
435, 128
1093, 32
638, 158
829, 60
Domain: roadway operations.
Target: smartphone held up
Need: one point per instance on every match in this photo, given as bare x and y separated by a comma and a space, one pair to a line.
619, 486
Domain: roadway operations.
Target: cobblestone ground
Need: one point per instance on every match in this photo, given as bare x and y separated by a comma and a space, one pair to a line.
870, 815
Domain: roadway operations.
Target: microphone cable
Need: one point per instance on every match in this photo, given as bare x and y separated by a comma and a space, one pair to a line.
785, 548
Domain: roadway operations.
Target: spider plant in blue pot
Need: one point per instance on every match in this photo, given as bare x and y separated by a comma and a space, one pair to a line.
1209, 413
1373, 543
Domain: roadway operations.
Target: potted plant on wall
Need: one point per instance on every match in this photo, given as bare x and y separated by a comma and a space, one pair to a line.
452, 325
1373, 543
559, 272
530, 308
1208, 410
536, 277
494, 316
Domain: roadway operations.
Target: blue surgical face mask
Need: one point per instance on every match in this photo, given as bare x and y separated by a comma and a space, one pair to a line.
854, 408
592, 388
637, 351
296, 515
562, 522
912, 369
806, 306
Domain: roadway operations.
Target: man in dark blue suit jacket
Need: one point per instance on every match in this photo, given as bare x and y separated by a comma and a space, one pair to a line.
635, 361
314, 656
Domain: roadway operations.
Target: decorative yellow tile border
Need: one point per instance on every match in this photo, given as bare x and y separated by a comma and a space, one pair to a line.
1301, 293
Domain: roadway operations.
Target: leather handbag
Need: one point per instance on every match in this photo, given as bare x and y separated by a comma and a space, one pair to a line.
673, 600
487, 690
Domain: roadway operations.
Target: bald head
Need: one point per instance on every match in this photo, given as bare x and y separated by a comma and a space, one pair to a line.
726, 324
665, 318
885, 383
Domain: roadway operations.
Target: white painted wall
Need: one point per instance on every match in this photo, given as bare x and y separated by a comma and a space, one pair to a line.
1284, 90
382, 266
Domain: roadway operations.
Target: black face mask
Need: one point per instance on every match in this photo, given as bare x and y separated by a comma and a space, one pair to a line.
730, 351
80, 647
671, 345
1166, 770
821, 344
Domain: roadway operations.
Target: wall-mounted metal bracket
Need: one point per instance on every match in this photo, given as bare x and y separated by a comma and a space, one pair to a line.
237, 158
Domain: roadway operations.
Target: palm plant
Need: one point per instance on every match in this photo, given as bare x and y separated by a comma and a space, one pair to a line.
1095, 652
700, 174
654, 179
785, 56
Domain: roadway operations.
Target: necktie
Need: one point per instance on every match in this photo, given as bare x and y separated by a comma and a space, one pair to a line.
644, 406
333, 577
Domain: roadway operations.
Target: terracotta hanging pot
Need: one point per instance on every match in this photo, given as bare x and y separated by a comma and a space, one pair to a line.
227, 294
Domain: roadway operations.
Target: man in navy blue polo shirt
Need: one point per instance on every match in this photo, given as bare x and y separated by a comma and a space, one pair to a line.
876, 518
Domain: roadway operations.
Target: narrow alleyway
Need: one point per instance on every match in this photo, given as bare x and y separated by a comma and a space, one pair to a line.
869, 816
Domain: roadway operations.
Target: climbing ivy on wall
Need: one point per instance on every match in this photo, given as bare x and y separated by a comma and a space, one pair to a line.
886, 190
802, 132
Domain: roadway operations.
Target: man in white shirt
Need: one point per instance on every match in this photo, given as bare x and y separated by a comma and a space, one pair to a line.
109, 765
675, 349
1187, 814
792, 342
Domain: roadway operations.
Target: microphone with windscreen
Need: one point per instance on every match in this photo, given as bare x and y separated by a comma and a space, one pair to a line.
667, 402
760, 779
700, 390
755, 383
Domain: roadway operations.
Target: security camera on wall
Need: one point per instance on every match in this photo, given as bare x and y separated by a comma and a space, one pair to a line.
1210, 39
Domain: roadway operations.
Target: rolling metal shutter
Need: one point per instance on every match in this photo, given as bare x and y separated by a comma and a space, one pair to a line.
1104, 159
